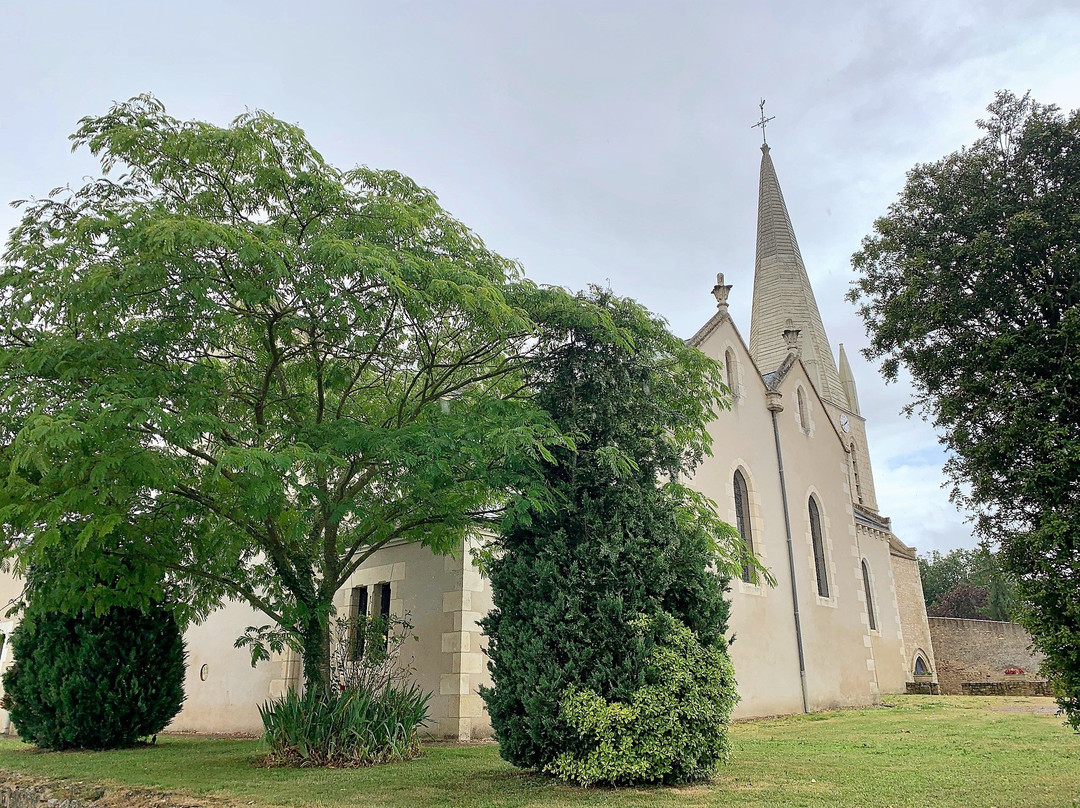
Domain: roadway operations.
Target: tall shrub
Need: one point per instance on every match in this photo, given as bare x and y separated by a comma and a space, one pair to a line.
94, 681
578, 589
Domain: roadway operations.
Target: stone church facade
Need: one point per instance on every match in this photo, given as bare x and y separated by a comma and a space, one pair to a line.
845, 621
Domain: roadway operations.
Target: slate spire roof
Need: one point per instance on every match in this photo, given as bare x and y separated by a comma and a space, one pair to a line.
782, 291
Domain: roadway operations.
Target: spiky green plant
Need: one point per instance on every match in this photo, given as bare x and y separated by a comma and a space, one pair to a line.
352, 727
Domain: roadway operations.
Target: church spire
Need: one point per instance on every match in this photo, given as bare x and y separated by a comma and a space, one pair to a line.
847, 380
782, 291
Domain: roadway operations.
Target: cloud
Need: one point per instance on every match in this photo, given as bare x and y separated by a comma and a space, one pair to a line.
593, 141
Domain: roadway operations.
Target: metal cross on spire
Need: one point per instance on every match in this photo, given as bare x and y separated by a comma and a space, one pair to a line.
763, 121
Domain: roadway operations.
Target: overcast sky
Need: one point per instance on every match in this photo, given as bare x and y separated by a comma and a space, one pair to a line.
604, 142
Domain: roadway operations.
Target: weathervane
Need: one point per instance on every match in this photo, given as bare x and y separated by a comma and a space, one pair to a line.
763, 121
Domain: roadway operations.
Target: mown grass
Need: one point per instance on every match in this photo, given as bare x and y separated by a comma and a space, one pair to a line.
916, 751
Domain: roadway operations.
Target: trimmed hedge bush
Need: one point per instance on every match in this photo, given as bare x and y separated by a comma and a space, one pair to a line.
94, 681
672, 730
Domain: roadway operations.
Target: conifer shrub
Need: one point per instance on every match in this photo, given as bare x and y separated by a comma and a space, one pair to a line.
93, 681
592, 593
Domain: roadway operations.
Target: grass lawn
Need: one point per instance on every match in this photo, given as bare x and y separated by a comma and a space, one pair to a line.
916, 751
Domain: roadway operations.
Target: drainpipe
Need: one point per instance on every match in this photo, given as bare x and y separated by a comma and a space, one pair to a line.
775, 407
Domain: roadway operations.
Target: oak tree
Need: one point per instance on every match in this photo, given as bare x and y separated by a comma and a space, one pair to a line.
971, 284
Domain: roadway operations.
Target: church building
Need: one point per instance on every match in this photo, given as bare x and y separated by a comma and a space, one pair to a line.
845, 621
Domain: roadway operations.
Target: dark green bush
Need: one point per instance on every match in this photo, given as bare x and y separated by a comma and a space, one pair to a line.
570, 583
352, 727
94, 681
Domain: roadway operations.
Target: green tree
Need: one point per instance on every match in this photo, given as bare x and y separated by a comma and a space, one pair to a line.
940, 573
248, 370
946, 577
626, 541
971, 283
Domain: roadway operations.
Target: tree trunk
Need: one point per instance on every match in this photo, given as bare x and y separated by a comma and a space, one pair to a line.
315, 637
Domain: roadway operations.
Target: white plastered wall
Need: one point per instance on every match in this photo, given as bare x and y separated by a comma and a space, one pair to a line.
837, 642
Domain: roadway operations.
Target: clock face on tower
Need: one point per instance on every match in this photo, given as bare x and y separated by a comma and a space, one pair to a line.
845, 424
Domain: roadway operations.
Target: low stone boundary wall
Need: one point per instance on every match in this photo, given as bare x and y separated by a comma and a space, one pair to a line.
23, 791
14, 796
923, 689
1021, 688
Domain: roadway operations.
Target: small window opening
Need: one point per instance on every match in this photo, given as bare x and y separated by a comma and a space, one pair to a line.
855, 473
869, 596
819, 549
742, 524
804, 413
382, 603
731, 372
921, 668
358, 612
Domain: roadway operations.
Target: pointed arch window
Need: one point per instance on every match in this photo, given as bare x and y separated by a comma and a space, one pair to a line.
921, 668
742, 523
804, 413
855, 473
731, 371
869, 595
819, 549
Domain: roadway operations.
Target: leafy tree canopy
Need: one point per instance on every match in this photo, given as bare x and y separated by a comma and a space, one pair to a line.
971, 284
248, 370
968, 583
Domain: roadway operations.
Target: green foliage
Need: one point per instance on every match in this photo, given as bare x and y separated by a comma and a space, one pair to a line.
940, 573
968, 583
95, 681
971, 284
350, 727
673, 729
1050, 588
626, 539
248, 370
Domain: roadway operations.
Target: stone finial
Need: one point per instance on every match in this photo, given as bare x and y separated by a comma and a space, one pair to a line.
791, 336
721, 292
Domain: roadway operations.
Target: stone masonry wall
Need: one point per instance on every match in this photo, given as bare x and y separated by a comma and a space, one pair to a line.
912, 608
1007, 689
979, 651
